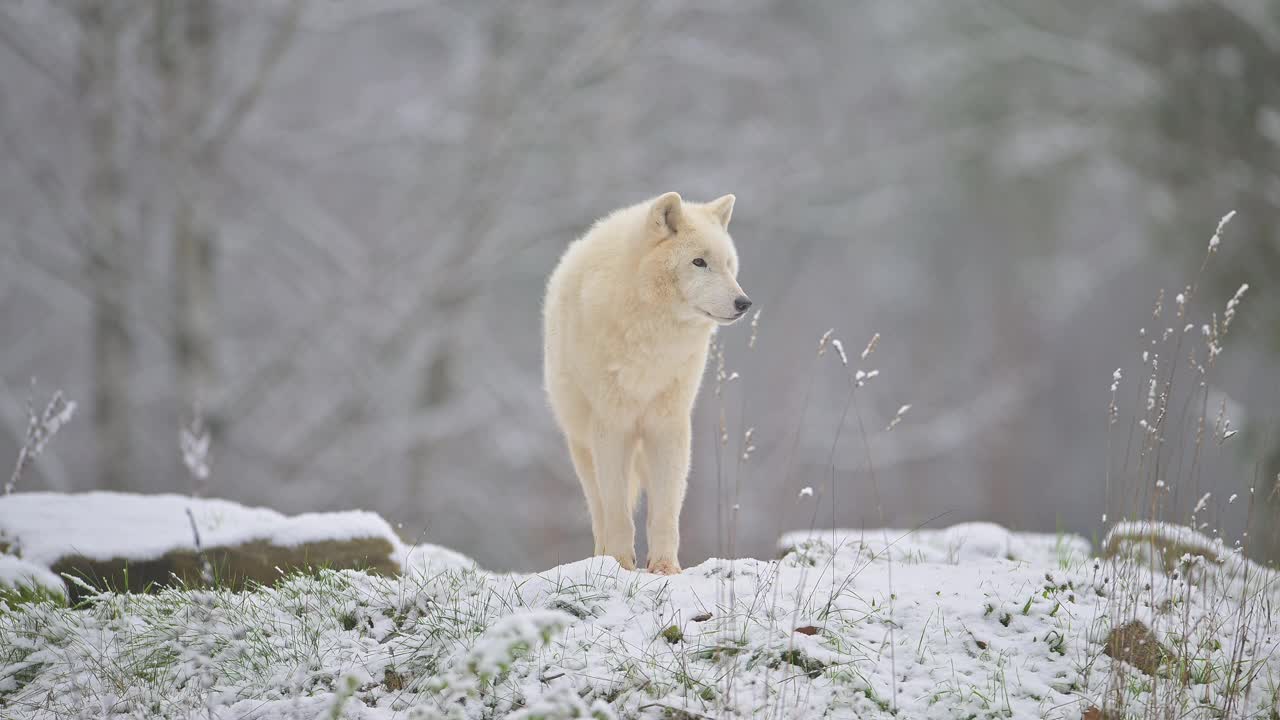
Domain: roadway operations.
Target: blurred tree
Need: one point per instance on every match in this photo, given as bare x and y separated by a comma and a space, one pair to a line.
522, 74
1180, 98
1208, 140
1208, 136
335, 221
1011, 160
199, 118
184, 50
109, 251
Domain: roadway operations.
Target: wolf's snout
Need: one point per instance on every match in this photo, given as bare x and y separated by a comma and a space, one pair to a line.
742, 303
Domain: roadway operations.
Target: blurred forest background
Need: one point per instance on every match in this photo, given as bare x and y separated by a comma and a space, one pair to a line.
325, 226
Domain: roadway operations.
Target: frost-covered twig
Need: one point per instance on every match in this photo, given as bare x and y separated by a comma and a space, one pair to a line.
194, 443
206, 570
193, 440
40, 429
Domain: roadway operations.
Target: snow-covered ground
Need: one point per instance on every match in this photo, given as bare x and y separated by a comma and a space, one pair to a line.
16, 573
943, 625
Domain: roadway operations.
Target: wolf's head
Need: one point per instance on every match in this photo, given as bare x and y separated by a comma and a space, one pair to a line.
690, 260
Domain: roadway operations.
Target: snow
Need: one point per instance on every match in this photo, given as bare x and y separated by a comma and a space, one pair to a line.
425, 559
498, 648
42, 527
18, 573
884, 623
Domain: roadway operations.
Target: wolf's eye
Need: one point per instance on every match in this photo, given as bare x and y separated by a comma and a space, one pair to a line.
699, 262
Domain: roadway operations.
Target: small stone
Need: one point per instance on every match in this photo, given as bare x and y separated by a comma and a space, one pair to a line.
1135, 644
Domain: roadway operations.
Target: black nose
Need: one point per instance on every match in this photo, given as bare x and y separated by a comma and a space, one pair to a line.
742, 303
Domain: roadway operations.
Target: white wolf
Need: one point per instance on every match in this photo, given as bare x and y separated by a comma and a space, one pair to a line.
628, 316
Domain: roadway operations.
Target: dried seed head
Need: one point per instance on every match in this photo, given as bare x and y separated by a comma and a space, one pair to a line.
1232, 304
897, 418
871, 346
1217, 234
1204, 502
40, 429
1113, 411
193, 441
839, 346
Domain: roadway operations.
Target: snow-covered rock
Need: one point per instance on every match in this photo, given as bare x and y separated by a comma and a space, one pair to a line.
953, 545
98, 535
1164, 545
1180, 550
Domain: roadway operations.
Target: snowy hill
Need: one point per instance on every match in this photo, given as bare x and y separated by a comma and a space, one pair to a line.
926, 624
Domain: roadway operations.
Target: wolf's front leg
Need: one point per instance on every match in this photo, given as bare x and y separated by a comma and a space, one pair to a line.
667, 454
610, 449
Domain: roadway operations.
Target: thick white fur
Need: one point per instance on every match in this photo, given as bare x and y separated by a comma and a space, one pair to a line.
627, 320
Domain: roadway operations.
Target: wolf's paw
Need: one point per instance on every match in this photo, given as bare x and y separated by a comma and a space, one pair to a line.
664, 567
627, 561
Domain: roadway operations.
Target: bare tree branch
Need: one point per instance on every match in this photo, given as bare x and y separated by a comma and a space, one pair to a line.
245, 100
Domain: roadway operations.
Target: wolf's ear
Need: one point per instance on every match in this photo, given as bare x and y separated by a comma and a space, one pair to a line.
665, 215
722, 208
